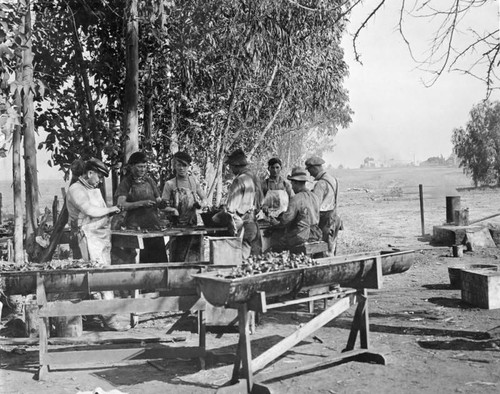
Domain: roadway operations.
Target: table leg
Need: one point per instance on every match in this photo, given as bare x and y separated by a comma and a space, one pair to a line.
202, 338
245, 350
359, 323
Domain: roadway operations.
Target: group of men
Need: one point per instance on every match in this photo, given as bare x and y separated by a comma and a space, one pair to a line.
311, 215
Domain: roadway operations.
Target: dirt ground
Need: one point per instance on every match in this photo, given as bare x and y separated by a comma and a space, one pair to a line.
432, 341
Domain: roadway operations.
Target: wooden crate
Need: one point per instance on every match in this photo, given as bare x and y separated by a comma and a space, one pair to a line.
225, 250
481, 288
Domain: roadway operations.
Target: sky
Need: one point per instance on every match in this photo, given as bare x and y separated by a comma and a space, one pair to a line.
395, 116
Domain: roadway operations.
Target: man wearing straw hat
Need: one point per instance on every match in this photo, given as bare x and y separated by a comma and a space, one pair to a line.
299, 223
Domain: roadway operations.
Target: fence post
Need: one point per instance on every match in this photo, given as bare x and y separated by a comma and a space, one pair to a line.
1, 207
421, 194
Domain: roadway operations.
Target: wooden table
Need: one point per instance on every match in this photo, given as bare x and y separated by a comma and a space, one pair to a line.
176, 279
134, 239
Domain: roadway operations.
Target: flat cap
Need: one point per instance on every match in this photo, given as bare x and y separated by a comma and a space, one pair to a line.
183, 157
137, 158
237, 158
314, 161
97, 165
298, 174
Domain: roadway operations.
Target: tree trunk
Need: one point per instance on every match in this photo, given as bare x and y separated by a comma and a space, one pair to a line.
18, 198
132, 80
30, 166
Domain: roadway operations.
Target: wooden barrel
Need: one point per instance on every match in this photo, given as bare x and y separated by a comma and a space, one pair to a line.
452, 205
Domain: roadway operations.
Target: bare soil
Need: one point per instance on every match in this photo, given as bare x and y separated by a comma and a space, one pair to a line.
431, 340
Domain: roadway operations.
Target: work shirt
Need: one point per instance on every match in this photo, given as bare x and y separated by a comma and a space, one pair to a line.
301, 215
279, 183
241, 194
326, 189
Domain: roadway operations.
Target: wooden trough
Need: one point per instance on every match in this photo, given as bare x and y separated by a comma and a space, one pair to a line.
355, 271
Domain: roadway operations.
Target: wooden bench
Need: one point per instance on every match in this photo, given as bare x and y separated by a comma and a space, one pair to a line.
311, 248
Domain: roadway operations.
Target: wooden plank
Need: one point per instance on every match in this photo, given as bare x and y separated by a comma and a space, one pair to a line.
314, 324
93, 338
105, 356
245, 349
42, 329
126, 305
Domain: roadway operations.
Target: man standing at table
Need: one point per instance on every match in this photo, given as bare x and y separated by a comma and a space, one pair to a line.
88, 214
326, 189
90, 223
243, 199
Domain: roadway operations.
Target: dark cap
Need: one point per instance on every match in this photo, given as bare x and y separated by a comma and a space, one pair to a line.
97, 165
183, 157
274, 161
237, 158
314, 161
136, 158
298, 174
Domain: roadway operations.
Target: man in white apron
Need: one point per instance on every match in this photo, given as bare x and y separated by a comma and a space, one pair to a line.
89, 220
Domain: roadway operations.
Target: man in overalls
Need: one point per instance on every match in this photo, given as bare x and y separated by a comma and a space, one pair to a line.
326, 189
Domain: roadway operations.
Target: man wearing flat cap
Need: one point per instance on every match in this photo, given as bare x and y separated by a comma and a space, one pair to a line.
326, 188
299, 224
88, 213
243, 200
90, 223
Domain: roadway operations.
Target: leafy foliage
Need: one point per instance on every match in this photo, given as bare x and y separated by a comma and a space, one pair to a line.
477, 146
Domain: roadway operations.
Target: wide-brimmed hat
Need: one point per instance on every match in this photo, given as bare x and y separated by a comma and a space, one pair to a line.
314, 161
97, 165
183, 157
298, 174
237, 158
137, 158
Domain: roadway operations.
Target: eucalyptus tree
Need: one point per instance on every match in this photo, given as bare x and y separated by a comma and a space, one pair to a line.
17, 91
240, 74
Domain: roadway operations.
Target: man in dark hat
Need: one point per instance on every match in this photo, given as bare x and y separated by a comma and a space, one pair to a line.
139, 196
184, 197
90, 223
299, 223
243, 199
326, 188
